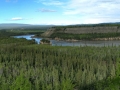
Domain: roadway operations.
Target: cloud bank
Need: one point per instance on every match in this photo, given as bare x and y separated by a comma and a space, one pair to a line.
94, 11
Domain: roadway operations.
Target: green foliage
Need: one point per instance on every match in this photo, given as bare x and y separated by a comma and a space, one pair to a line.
37, 32
118, 67
9, 33
45, 41
21, 83
67, 85
6, 41
88, 25
87, 36
28, 66
109, 84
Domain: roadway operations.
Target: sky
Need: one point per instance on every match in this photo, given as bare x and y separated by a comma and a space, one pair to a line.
59, 12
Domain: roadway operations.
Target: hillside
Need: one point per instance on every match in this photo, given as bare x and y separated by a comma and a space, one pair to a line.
83, 29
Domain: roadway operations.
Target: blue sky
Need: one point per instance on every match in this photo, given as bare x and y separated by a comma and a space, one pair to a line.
59, 12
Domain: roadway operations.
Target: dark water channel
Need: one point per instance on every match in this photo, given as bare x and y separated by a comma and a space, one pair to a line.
75, 43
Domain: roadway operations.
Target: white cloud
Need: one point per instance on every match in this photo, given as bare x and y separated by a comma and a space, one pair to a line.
50, 2
94, 10
84, 11
91, 6
56, 3
17, 18
45, 10
11, 0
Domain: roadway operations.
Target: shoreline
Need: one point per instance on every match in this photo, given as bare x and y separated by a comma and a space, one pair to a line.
75, 40
96, 39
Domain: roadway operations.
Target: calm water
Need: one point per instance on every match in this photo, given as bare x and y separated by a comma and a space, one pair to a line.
29, 37
78, 43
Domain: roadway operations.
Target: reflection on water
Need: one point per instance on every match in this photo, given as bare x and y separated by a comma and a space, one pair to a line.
86, 43
69, 43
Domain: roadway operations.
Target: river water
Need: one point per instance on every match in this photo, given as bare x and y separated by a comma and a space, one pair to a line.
75, 43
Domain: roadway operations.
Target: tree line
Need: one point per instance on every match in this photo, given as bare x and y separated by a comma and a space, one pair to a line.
86, 36
88, 25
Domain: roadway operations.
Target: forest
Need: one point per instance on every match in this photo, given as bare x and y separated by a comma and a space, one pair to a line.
25, 65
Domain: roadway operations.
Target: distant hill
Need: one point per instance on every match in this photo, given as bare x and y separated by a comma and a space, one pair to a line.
23, 26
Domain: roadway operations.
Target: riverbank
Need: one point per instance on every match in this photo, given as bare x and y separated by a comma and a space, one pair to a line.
96, 39
73, 42
45, 42
108, 39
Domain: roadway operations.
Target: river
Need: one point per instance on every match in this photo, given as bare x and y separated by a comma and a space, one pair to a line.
75, 43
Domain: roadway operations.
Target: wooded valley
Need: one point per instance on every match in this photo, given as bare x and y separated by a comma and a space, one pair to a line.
25, 65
